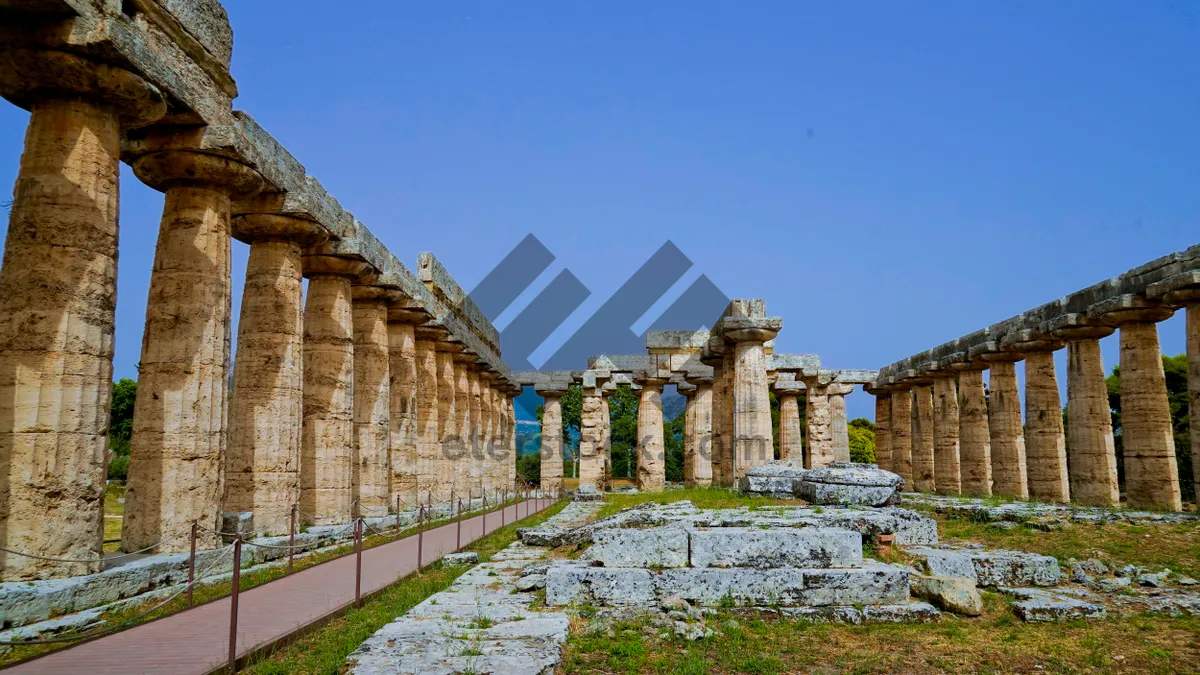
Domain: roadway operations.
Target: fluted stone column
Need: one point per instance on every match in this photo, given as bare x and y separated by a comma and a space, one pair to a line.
720, 401
790, 440
946, 464
58, 287
429, 424
606, 435
820, 435
511, 413
1004, 423
728, 413
701, 426
1193, 353
923, 467
403, 413
1090, 444
328, 431
472, 428
651, 460
262, 461
371, 462
839, 430
883, 429
751, 396
901, 435
1151, 471
688, 392
1045, 443
975, 443
460, 469
179, 434
450, 423
552, 440
591, 450
483, 435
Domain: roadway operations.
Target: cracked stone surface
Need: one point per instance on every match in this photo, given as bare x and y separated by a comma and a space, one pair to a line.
1031, 512
654, 547
808, 547
1040, 605
845, 483
481, 624
989, 568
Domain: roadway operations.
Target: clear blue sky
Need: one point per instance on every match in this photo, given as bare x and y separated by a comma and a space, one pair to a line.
887, 175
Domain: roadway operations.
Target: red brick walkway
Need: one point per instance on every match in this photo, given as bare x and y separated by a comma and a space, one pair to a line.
197, 641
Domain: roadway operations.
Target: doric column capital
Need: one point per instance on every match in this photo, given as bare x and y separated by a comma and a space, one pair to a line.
165, 169
375, 294
1028, 340
252, 227
31, 75
1076, 326
748, 329
650, 381
1177, 291
1129, 309
992, 352
316, 265
839, 389
552, 389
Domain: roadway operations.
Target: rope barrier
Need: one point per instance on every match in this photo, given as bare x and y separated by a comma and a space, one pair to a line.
78, 560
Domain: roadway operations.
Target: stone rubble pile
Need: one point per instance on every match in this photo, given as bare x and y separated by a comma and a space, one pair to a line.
1042, 515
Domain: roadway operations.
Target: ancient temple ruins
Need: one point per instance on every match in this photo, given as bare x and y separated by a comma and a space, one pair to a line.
382, 386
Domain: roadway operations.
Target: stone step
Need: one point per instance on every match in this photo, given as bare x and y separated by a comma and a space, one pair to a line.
808, 547
989, 568
872, 584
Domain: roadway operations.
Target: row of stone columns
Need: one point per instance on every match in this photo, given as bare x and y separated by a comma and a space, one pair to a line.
332, 406
943, 433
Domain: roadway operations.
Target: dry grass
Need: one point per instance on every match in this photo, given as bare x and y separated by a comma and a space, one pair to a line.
993, 643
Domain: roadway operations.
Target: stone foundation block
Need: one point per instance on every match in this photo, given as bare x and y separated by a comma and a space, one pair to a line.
874, 583
576, 584
1037, 605
807, 547
654, 547
991, 568
779, 487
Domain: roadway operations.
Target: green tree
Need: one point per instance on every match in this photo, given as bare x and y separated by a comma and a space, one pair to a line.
673, 445
622, 415
572, 422
1175, 371
862, 440
120, 427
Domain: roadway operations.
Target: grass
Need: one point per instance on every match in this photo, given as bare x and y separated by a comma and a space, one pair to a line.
114, 513
994, 643
324, 651
250, 578
702, 497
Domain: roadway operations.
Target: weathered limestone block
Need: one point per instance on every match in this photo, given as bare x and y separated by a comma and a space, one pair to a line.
1008, 441
901, 434
820, 435
922, 439
953, 594
775, 479
839, 430
179, 432
402, 416
872, 584
552, 441
428, 422
371, 463
808, 547
651, 460
328, 431
883, 430
947, 478
1045, 444
1091, 448
975, 443
591, 458
990, 568
849, 484
262, 462
576, 584
653, 547
57, 301
1037, 606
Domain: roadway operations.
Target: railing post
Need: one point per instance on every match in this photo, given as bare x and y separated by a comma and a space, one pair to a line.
292, 540
484, 516
458, 537
420, 535
503, 507
358, 541
397, 514
233, 602
192, 566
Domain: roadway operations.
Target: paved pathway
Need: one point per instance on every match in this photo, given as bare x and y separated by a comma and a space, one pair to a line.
196, 641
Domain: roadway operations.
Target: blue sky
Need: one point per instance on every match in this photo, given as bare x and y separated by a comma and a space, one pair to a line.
887, 175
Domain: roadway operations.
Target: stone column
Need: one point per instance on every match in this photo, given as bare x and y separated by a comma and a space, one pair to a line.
947, 478
428, 417
58, 291
719, 403
702, 402
1045, 443
1004, 423
450, 423
975, 443
328, 432
606, 435
483, 437
552, 440
651, 459
1183, 291
461, 468
471, 428
790, 442
883, 414
403, 413
820, 435
371, 462
839, 430
1151, 472
262, 462
726, 421
688, 392
591, 449
900, 433
753, 444
179, 435
511, 413
922, 437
